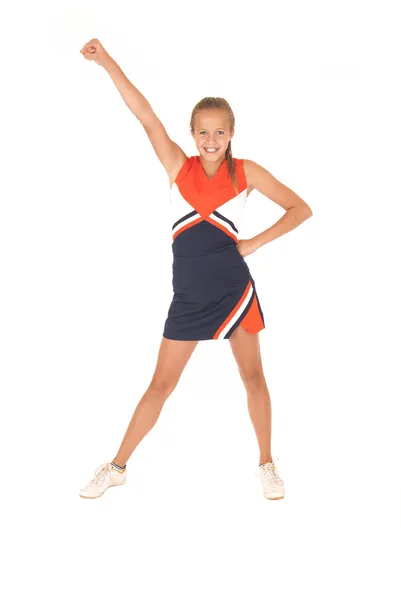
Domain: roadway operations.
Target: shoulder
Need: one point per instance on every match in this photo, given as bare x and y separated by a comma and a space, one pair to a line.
181, 169
248, 167
257, 175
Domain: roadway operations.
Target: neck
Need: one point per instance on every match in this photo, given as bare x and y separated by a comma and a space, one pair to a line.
211, 168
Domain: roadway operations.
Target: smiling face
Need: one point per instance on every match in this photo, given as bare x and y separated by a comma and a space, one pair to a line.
212, 130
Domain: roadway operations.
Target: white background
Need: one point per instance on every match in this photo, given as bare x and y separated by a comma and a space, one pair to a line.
85, 241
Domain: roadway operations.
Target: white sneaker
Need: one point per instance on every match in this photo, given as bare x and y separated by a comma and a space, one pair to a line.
105, 476
273, 486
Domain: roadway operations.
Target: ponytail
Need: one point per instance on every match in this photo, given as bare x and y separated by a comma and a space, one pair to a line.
231, 167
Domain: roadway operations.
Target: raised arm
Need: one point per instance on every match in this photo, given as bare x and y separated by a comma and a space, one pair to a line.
168, 152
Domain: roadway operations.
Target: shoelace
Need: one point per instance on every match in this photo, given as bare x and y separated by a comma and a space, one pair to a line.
269, 470
101, 473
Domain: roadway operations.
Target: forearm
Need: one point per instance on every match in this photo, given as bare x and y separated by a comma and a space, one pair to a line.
291, 218
132, 97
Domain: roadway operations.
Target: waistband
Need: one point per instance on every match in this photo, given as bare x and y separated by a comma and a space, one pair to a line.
227, 255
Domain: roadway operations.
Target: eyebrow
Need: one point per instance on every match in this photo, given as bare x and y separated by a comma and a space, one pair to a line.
200, 128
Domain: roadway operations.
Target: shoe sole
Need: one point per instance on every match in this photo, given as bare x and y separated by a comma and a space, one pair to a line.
274, 497
100, 495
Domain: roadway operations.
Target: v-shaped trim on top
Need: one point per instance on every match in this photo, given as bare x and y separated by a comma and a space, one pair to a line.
219, 171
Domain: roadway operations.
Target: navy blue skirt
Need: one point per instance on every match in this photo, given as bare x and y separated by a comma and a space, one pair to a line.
214, 293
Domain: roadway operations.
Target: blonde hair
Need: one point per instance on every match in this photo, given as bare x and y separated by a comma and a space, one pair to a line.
213, 102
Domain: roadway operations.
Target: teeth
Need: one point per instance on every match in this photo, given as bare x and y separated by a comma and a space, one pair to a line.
211, 149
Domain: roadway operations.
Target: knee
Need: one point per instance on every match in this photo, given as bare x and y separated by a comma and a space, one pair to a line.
253, 379
162, 386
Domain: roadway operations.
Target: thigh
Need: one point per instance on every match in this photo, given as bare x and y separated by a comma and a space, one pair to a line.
172, 358
246, 350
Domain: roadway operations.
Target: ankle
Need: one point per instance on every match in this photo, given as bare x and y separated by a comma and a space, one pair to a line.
262, 461
119, 463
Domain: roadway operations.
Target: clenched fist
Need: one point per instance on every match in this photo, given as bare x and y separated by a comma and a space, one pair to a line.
94, 50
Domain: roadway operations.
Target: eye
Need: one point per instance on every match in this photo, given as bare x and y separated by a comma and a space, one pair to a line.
221, 132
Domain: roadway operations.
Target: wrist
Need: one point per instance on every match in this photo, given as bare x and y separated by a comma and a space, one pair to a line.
258, 242
108, 62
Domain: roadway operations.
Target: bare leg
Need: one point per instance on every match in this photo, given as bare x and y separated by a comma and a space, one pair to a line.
172, 358
246, 351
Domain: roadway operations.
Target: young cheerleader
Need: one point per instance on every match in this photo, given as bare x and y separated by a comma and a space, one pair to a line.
214, 292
